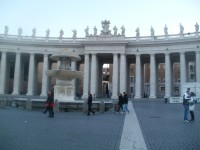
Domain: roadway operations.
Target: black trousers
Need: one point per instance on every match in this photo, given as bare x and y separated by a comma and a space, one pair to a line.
51, 112
90, 109
192, 115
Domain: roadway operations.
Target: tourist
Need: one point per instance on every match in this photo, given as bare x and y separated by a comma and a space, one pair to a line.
192, 103
90, 105
125, 103
120, 103
186, 98
51, 105
47, 102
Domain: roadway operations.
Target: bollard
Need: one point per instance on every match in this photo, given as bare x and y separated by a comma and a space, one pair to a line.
28, 104
57, 106
102, 107
85, 106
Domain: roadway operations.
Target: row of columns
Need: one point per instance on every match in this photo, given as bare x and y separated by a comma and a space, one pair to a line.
18, 74
119, 78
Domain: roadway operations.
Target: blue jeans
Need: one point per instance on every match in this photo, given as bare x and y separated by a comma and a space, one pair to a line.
125, 108
186, 110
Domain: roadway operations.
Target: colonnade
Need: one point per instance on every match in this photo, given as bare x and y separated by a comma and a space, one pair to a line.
92, 80
120, 73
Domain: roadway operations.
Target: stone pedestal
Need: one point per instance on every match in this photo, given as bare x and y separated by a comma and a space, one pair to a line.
28, 104
64, 91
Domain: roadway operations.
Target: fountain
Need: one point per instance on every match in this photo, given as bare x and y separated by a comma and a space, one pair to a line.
64, 90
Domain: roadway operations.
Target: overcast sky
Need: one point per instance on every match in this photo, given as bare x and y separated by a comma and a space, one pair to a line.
78, 14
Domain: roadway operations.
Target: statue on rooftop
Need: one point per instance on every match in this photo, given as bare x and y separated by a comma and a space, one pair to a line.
137, 32
20, 30
74, 33
123, 30
61, 33
33, 32
197, 27
181, 28
152, 31
105, 26
6, 30
47, 33
166, 30
95, 30
115, 30
87, 31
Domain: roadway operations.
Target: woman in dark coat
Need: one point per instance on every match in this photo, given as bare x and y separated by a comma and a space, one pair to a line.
120, 102
90, 105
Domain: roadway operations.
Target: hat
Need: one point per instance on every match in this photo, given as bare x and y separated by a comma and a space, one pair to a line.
188, 89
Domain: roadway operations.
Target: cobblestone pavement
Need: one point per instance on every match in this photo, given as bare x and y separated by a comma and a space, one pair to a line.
163, 126
33, 130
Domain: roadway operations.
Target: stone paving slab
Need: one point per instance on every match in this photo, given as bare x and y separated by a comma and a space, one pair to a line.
132, 138
163, 127
33, 130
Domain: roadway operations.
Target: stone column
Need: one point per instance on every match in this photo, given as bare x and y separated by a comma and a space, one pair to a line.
182, 68
3, 72
123, 73
31, 75
17, 75
44, 76
152, 77
93, 83
115, 77
167, 76
138, 77
198, 66
86, 77
73, 67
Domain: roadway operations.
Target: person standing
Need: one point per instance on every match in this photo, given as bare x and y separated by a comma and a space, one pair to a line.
120, 103
125, 103
90, 105
186, 98
192, 103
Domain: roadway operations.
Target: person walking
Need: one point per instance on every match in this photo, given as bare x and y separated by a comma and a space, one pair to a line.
51, 105
192, 103
47, 102
186, 98
90, 105
120, 103
125, 103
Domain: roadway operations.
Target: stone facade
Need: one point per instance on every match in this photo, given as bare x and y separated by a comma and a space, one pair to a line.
24, 59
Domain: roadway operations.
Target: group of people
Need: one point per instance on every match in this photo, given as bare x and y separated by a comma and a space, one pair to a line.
122, 103
189, 101
49, 104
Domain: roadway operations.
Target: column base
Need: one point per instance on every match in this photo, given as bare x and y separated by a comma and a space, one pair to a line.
137, 96
114, 97
15, 93
152, 96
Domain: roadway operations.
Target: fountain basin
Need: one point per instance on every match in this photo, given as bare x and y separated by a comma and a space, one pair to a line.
65, 74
